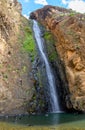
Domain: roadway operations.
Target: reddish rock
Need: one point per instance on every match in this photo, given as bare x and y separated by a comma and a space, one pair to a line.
69, 30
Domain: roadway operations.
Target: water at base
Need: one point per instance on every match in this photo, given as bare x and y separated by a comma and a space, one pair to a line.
51, 81
63, 121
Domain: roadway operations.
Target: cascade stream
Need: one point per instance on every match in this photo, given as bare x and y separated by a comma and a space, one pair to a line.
51, 80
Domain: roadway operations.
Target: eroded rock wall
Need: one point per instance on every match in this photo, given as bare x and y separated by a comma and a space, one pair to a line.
15, 83
69, 30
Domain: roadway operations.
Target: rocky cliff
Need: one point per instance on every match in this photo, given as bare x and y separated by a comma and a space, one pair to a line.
69, 29
15, 83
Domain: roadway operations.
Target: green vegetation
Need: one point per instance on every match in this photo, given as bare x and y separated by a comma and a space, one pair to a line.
48, 35
24, 69
53, 56
5, 76
28, 43
62, 14
72, 13
50, 41
54, 16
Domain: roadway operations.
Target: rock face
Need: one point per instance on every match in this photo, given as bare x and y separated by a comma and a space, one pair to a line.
15, 82
69, 30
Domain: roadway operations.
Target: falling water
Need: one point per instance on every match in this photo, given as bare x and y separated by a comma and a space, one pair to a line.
50, 77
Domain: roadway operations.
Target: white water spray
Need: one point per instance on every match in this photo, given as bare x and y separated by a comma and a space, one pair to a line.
50, 77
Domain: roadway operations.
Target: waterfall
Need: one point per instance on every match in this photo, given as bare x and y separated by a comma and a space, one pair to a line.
51, 81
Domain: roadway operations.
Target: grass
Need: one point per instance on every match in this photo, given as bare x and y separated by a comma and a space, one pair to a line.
28, 44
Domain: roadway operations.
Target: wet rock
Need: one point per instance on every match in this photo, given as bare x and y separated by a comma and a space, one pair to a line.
70, 47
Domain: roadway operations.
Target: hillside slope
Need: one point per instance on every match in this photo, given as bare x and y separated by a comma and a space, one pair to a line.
69, 29
15, 66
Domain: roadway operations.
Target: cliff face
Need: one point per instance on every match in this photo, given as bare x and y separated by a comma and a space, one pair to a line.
69, 30
15, 83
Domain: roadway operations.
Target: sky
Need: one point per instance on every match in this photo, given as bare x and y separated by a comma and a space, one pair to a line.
30, 5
